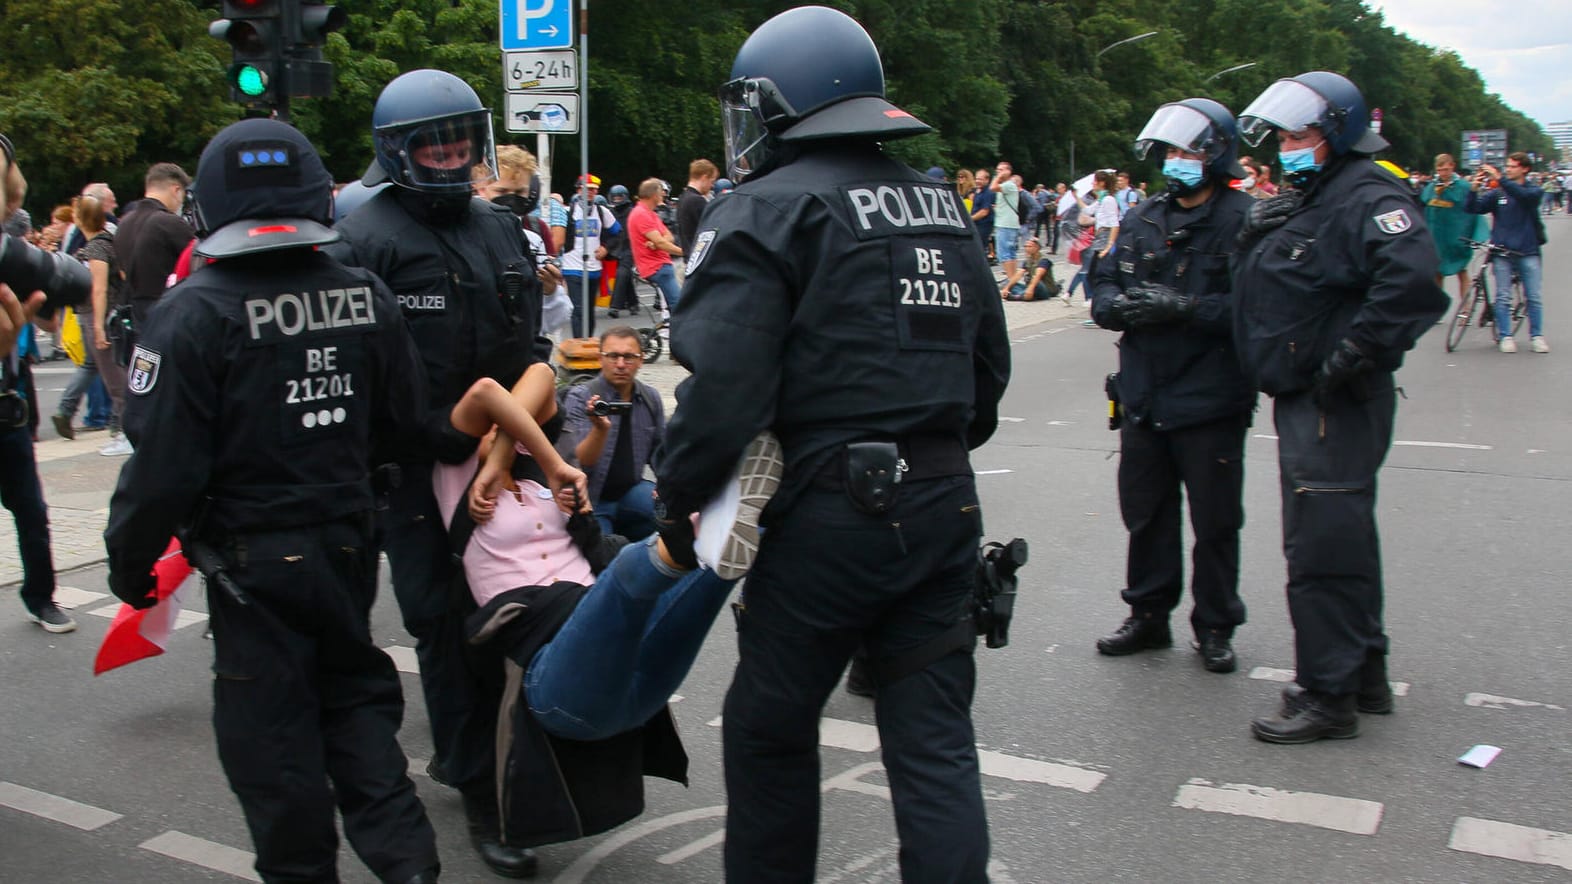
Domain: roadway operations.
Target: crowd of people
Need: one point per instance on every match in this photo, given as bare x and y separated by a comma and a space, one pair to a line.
373, 374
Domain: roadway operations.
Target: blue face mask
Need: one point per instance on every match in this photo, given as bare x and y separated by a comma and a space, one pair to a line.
1189, 173
1299, 161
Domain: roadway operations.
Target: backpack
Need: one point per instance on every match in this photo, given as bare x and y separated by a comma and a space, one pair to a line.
1024, 203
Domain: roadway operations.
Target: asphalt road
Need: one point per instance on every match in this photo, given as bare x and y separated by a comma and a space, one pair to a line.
1097, 769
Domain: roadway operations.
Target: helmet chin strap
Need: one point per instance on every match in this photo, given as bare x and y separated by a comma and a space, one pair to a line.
437, 208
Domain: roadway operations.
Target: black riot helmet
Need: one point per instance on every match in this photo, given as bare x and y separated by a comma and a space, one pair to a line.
1195, 125
1327, 101
261, 187
807, 74
430, 130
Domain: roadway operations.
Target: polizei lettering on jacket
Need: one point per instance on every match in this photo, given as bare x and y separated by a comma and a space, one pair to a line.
288, 315
890, 209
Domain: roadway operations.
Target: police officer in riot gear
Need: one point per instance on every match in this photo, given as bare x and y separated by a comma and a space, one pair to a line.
466, 282
257, 389
1335, 281
831, 249
1184, 403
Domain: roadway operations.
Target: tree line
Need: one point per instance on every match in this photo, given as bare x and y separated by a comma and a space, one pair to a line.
100, 89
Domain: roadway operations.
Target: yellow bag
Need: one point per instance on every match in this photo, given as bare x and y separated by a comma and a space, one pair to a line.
70, 337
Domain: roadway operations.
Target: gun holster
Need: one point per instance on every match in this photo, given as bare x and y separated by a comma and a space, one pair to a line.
873, 472
1111, 389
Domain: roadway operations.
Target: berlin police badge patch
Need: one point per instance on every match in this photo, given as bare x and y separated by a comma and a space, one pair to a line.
144, 371
1394, 222
701, 247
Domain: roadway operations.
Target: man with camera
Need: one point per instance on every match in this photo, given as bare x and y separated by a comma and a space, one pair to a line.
612, 426
48, 281
1513, 201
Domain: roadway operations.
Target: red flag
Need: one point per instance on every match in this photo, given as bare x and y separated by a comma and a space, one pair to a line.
134, 634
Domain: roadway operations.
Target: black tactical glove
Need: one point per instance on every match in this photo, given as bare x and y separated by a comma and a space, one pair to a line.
135, 590
1157, 304
1343, 364
676, 531
1269, 214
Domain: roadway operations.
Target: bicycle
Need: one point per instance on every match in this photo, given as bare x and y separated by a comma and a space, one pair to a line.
1478, 307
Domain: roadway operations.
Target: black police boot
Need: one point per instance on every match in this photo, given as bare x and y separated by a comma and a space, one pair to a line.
1311, 716
1375, 692
1217, 651
858, 682
1138, 633
485, 832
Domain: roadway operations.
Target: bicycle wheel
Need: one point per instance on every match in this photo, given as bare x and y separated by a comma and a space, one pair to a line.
1478, 303
1519, 305
652, 344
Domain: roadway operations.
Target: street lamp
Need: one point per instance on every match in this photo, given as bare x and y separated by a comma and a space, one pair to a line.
1136, 39
1237, 67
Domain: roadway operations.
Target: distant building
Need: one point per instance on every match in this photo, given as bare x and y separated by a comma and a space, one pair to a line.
1561, 134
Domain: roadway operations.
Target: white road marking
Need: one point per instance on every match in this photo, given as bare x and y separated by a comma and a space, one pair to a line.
71, 597
692, 848
993, 472
1508, 841
675, 698
1263, 802
1027, 770
1267, 673
185, 617
204, 853
404, 658
1011, 420
586, 864
52, 807
1061, 423
1490, 701
1411, 443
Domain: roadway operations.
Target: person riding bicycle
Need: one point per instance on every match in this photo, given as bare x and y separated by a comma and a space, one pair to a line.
1514, 202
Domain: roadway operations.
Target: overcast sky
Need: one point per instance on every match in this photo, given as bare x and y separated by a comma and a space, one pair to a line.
1522, 50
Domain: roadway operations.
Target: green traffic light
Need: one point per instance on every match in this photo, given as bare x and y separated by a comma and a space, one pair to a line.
250, 80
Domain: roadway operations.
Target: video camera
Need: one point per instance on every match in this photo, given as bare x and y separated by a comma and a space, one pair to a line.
993, 598
64, 280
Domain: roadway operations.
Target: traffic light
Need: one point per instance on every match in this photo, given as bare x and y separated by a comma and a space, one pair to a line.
308, 26
253, 29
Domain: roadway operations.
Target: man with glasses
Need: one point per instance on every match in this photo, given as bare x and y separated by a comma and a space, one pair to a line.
613, 449
1514, 201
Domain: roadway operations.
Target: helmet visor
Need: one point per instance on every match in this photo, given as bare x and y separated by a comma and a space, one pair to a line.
440, 155
747, 137
1288, 105
1177, 125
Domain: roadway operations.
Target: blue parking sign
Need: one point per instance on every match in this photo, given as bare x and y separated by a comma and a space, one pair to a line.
536, 24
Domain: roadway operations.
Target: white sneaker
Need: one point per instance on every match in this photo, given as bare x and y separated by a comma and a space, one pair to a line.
117, 447
728, 538
1507, 345
1538, 345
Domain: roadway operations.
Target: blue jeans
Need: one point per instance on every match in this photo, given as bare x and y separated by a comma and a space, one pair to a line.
1006, 241
1531, 269
665, 279
625, 648
575, 283
632, 515
23, 494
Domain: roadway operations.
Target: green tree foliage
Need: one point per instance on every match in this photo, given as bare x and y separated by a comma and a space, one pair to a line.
100, 89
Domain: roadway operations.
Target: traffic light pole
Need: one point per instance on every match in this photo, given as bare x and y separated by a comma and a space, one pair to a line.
585, 205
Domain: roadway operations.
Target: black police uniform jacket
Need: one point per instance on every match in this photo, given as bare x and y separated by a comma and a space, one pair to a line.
842, 296
449, 282
255, 393
1354, 261
1182, 373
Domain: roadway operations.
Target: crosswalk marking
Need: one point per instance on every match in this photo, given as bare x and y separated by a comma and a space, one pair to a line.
52, 807
204, 853
404, 658
1508, 841
1491, 701
1267, 673
71, 597
1334, 812
185, 617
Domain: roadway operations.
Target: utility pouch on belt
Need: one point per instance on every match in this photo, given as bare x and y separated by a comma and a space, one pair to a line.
873, 470
1111, 387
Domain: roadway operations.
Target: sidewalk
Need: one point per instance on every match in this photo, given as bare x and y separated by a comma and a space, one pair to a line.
78, 481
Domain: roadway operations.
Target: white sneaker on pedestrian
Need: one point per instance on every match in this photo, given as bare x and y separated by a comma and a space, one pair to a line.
1538, 345
1507, 345
728, 537
52, 619
117, 447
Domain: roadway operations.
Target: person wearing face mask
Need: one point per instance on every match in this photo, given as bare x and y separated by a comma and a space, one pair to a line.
466, 281
1184, 404
1336, 280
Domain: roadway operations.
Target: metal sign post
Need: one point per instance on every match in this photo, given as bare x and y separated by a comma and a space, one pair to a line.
586, 207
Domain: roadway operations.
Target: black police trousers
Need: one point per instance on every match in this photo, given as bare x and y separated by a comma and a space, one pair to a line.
461, 702
828, 579
1208, 461
1328, 462
307, 709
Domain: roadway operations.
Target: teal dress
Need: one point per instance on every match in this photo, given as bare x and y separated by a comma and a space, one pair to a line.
1450, 224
